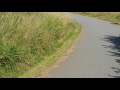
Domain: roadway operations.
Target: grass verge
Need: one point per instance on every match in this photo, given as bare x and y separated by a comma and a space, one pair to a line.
49, 61
109, 16
30, 42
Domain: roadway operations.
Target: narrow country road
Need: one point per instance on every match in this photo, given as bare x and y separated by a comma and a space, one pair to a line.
96, 54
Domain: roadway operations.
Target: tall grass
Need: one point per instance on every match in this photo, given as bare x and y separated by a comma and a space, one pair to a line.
110, 16
27, 38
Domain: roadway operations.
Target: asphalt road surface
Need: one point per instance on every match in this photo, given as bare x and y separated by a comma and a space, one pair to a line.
96, 54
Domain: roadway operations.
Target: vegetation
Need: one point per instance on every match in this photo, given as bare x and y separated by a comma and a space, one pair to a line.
110, 16
33, 39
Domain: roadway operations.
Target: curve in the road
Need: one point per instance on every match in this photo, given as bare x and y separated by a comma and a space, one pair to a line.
96, 55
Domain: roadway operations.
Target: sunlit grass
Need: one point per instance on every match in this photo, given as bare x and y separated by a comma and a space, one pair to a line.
28, 38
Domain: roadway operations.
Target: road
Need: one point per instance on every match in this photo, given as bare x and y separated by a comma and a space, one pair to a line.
96, 53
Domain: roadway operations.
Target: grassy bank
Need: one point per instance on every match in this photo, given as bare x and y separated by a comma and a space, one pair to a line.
31, 42
109, 16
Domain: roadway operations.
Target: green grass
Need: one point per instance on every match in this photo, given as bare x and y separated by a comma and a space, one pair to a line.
30, 42
109, 16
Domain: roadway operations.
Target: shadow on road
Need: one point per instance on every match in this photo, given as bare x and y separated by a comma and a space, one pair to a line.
115, 47
115, 23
